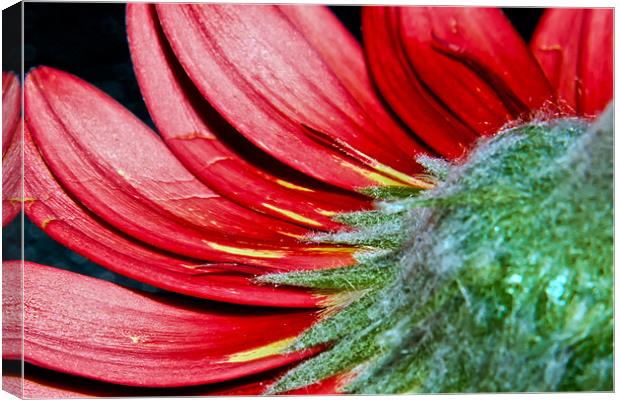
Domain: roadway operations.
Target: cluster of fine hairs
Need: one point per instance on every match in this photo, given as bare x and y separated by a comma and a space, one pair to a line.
498, 279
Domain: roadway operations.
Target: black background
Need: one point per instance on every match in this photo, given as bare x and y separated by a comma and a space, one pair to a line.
89, 40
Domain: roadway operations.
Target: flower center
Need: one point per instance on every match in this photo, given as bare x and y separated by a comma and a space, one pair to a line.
497, 279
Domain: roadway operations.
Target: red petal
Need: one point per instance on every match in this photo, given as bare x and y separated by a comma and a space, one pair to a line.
67, 387
269, 71
556, 47
484, 38
404, 91
470, 59
11, 149
473, 100
43, 383
575, 49
197, 135
11, 177
68, 223
596, 61
92, 328
10, 108
12, 309
119, 169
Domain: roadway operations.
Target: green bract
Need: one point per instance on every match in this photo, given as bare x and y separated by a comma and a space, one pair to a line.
498, 279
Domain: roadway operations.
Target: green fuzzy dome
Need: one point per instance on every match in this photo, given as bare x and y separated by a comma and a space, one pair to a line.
498, 279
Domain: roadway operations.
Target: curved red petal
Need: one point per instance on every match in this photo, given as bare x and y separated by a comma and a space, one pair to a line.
56, 213
575, 49
263, 69
555, 45
12, 309
67, 387
43, 383
198, 136
11, 177
596, 61
119, 169
92, 328
375, 129
484, 40
468, 96
10, 108
470, 60
431, 120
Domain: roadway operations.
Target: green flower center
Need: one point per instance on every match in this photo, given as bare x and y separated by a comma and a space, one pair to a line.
498, 279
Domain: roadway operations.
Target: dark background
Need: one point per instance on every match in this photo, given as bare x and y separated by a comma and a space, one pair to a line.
89, 40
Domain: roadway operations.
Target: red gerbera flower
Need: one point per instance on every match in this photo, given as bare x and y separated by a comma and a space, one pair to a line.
269, 126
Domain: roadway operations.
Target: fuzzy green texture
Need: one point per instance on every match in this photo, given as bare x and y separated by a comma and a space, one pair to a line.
364, 275
503, 280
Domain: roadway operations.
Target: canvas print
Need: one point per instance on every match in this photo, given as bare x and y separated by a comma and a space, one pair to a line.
267, 199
